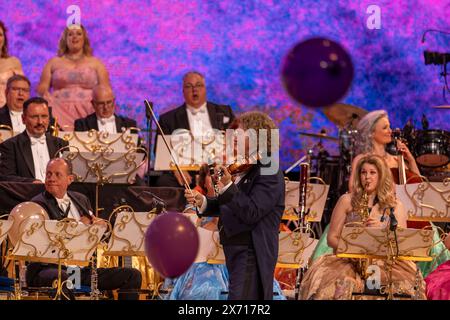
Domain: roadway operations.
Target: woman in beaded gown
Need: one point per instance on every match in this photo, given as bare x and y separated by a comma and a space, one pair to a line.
9, 65
68, 79
330, 277
374, 133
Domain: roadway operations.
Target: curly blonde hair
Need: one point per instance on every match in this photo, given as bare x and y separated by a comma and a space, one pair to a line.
366, 127
63, 49
4, 49
255, 120
385, 187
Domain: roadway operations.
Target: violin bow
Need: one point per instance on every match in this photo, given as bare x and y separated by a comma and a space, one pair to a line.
161, 132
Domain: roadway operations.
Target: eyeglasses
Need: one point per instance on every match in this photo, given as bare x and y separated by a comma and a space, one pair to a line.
196, 86
104, 103
17, 89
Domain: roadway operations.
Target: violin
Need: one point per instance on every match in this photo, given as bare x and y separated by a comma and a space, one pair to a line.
235, 168
239, 166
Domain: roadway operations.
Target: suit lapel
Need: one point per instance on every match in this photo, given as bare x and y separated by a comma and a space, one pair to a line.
55, 210
25, 149
182, 118
51, 146
119, 124
92, 122
6, 116
213, 116
81, 208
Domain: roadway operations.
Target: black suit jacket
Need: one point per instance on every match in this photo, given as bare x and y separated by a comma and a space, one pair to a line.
5, 117
255, 205
220, 116
49, 203
16, 158
90, 122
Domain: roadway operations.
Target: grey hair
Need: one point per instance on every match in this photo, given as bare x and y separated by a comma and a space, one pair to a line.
193, 72
365, 127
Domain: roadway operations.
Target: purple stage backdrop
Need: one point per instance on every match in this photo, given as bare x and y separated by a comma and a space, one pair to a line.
239, 45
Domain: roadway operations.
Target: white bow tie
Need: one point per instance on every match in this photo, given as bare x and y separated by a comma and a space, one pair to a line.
64, 202
34, 140
15, 113
197, 111
104, 121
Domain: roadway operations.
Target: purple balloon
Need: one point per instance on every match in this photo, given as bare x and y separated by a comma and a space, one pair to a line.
317, 72
171, 244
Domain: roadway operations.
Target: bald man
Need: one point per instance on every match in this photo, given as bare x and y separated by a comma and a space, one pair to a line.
61, 203
104, 118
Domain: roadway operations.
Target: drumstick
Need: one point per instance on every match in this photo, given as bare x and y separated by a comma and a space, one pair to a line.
161, 132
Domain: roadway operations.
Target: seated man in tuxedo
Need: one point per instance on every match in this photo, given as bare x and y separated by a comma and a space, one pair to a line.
197, 115
17, 92
61, 203
24, 157
104, 118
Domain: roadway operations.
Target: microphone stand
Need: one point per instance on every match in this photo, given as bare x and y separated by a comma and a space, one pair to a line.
393, 223
391, 257
148, 115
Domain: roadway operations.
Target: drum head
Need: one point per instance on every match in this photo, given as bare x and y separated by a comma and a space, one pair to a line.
432, 148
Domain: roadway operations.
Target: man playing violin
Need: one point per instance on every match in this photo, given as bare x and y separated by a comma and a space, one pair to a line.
249, 207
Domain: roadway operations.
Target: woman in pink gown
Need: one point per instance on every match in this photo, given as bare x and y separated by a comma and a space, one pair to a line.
72, 75
9, 65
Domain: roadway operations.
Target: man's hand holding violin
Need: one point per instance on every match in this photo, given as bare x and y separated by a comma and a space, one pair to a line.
222, 176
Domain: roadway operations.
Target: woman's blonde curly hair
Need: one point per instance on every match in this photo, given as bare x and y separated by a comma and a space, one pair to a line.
63, 49
385, 187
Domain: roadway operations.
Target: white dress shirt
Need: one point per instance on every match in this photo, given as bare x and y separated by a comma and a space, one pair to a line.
107, 124
41, 156
198, 120
16, 121
73, 211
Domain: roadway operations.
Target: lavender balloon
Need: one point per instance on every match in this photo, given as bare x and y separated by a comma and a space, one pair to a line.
317, 72
171, 244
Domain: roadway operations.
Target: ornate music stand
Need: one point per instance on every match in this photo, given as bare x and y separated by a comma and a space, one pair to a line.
5, 226
426, 201
100, 158
6, 132
127, 239
189, 151
92, 140
295, 250
59, 242
366, 243
316, 197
